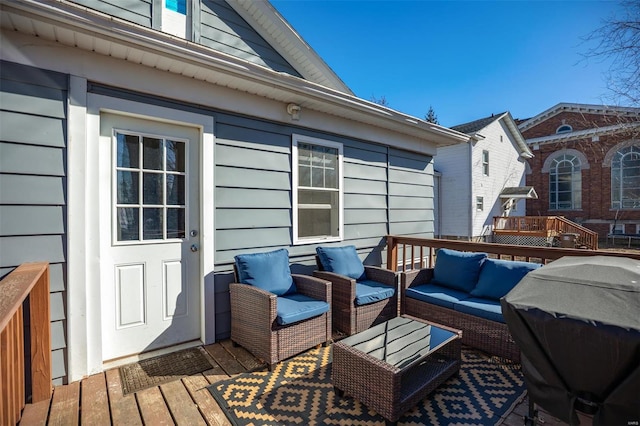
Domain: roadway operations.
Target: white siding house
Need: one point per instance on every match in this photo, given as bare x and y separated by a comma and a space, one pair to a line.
474, 175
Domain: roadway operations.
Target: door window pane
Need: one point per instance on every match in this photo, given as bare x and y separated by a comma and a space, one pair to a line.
156, 208
152, 153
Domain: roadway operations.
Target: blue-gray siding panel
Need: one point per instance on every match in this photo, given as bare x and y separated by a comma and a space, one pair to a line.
138, 11
33, 184
221, 28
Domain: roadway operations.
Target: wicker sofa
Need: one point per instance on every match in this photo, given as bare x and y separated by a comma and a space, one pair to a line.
463, 291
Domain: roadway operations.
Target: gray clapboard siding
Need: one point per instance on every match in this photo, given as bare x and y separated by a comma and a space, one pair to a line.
410, 190
252, 198
397, 202
354, 170
31, 129
411, 228
369, 155
20, 159
411, 215
250, 159
234, 177
138, 11
227, 239
355, 216
252, 218
360, 201
32, 190
404, 176
33, 184
366, 230
362, 186
31, 220
221, 28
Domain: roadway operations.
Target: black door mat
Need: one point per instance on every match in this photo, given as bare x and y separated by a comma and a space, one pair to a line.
162, 369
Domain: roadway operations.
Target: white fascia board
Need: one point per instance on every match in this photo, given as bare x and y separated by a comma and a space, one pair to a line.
109, 36
525, 152
271, 26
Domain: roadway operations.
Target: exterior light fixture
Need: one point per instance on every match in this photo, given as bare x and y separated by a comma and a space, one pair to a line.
294, 111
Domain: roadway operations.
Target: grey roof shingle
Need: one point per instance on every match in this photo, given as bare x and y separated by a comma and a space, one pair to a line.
474, 126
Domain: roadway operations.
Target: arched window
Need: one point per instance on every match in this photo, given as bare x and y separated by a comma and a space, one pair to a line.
565, 183
625, 178
565, 128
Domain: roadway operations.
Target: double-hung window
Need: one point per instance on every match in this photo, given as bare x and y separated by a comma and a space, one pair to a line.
485, 162
317, 192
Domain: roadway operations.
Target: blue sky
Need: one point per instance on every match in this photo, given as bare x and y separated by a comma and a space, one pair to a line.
467, 59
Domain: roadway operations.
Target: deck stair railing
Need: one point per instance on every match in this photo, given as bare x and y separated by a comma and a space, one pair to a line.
24, 289
545, 226
406, 253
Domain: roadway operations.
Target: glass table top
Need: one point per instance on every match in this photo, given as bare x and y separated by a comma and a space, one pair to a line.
401, 341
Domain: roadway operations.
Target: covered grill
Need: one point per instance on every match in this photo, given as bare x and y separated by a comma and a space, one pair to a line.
577, 323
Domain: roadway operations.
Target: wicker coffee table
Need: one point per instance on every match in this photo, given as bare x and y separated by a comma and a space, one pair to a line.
392, 366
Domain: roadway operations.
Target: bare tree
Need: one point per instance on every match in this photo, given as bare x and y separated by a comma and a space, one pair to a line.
380, 101
618, 40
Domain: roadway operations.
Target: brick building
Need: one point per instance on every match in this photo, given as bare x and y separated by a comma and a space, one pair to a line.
586, 166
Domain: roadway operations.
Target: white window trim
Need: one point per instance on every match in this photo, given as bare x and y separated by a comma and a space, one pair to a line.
480, 204
295, 139
485, 162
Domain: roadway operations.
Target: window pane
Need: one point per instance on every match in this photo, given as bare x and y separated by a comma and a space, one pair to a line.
152, 153
127, 187
306, 196
152, 188
317, 177
314, 222
176, 223
152, 228
175, 190
175, 156
128, 228
304, 175
128, 149
304, 153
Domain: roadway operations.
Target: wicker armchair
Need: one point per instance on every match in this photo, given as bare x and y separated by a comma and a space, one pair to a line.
255, 326
350, 318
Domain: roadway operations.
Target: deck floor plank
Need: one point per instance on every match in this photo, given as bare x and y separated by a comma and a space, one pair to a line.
65, 405
244, 357
36, 414
183, 409
153, 408
94, 401
197, 387
124, 409
228, 363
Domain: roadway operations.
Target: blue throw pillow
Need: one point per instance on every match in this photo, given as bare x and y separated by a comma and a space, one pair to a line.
341, 260
457, 269
269, 271
498, 277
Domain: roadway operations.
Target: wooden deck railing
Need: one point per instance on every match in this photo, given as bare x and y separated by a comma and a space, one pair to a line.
27, 286
406, 253
544, 226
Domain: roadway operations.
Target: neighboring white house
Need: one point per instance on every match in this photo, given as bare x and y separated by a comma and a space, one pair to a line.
477, 178
144, 144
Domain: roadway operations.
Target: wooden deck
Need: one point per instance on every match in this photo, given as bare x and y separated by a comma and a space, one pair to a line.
98, 399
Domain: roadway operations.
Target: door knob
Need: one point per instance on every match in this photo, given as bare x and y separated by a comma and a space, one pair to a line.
194, 248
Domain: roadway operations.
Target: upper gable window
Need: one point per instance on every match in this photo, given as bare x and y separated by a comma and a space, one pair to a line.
174, 17
565, 128
318, 190
485, 162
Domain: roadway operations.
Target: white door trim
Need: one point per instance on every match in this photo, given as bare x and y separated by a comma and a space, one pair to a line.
84, 309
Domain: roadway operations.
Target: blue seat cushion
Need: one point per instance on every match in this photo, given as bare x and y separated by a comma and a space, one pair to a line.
483, 308
269, 271
297, 307
437, 295
368, 291
341, 260
498, 277
457, 269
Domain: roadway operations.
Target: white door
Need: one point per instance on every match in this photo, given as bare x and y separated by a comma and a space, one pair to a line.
149, 217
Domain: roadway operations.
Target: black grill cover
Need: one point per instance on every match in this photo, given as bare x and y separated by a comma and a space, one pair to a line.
577, 323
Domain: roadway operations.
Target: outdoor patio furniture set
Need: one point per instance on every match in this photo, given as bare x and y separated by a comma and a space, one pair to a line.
276, 315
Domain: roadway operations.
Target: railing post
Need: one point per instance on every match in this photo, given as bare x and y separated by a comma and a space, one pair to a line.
40, 339
392, 253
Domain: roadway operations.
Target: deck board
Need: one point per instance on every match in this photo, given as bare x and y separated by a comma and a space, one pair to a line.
182, 402
183, 409
94, 401
124, 408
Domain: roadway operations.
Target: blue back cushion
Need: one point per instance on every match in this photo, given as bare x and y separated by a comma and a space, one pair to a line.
498, 277
457, 269
269, 271
341, 260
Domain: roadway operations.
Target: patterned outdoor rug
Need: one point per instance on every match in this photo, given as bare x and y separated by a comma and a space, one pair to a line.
162, 369
299, 391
